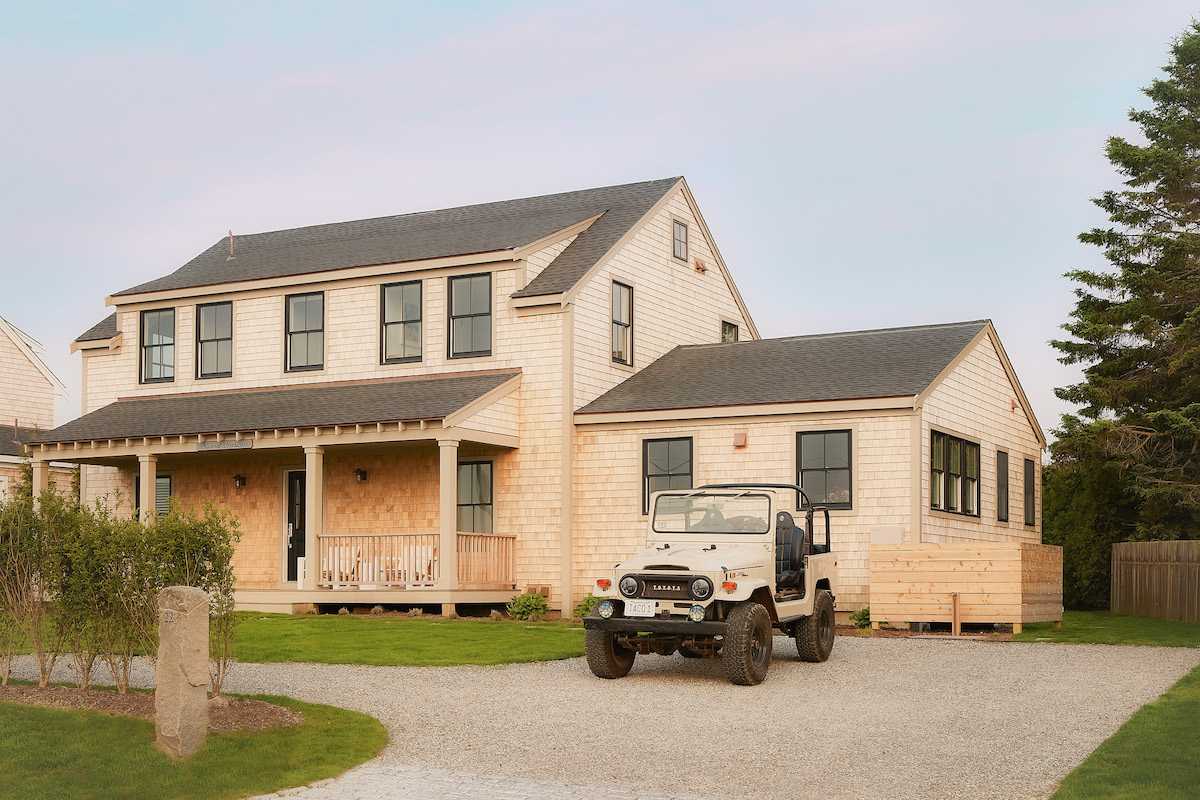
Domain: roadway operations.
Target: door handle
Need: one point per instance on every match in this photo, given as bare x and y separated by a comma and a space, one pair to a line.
291, 529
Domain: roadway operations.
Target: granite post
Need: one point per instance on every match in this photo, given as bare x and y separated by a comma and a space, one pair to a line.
181, 672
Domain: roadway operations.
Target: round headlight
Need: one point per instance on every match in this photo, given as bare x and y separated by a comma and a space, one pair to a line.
696, 613
605, 609
629, 586
701, 588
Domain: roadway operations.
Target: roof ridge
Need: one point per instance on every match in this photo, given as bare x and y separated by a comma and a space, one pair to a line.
839, 334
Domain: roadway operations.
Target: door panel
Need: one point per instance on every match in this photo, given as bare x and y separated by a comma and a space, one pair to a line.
295, 521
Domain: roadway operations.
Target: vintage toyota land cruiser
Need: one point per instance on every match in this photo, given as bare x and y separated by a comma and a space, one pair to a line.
724, 565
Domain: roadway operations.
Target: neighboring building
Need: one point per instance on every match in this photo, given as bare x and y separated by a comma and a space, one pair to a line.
28, 392
444, 406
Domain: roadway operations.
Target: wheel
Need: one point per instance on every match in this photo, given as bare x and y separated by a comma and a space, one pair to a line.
814, 634
688, 652
606, 657
746, 651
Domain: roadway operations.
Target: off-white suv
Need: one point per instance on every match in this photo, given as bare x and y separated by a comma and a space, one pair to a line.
724, 565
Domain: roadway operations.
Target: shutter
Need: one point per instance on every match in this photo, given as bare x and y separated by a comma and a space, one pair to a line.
162, 494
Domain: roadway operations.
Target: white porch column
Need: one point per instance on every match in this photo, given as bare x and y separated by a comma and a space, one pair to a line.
148, 478
448, 513
314, 513
41, 479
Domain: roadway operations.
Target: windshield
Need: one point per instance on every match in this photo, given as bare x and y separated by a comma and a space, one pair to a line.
702, 512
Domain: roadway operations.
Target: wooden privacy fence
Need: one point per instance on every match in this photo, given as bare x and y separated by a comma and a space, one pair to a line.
1157, 579
956, 583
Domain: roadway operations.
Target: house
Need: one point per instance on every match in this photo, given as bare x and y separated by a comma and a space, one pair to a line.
445, 406
28, 392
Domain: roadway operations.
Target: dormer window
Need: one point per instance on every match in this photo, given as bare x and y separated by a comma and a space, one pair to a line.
158, 346
680, 240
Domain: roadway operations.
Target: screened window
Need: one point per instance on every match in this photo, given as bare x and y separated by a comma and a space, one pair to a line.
475, 496
158, 345
162, 494
666, 464
471, 316
1030, 497
954, 475
401, 322
1001, 486
824, 467
305, 331
214, 340
622, 323
680, 240
729, 332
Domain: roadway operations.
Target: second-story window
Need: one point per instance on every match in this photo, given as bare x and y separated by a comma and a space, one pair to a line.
305, 325
471, 316
679, 236
214, 340
158, 346
401, 319
622, 323
729, 332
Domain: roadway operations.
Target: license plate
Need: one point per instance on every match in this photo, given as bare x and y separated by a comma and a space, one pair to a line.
639, 608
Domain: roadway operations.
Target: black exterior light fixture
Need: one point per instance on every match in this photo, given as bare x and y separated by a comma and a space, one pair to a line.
360, 475
239, 481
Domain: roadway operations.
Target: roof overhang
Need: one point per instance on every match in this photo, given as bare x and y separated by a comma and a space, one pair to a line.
111, 343
715, 413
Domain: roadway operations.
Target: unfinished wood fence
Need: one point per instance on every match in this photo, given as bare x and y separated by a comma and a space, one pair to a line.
1157, 579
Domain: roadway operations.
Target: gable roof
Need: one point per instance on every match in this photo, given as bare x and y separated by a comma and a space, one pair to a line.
890, 362
104, 329
465, 230
30, 348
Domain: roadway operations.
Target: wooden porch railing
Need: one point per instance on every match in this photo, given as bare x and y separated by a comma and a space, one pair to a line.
485, 560
386, 560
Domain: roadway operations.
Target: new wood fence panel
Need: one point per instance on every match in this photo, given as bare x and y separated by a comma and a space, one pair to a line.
1157, 579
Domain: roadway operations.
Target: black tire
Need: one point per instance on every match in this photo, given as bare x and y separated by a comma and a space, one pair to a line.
606, 657
814, 634
746, 651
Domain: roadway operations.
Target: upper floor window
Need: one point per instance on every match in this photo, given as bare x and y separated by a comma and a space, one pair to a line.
824, 468
1001, 486
471, 316
729, 332
214, 340
475, 496
622, 323
954, 475
305, 326
666, 464
680, 240
158, 346
1030, 493
401, 320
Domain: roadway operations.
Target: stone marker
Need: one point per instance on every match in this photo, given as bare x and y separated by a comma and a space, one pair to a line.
181, 673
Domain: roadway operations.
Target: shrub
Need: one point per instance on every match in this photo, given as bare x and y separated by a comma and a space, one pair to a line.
586, 606
862, 617
529, 606
28, 567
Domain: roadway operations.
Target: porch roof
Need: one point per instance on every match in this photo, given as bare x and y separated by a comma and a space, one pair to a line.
359, 403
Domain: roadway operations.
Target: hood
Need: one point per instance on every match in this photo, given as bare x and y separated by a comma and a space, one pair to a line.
694, 558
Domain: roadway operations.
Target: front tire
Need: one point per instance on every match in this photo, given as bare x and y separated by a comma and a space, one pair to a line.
606, 657
746, 651
814, 634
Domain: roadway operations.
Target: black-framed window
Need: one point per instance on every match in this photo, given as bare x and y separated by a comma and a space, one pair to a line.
679, 240
666, 464
622, 323
214, 340
471, 315
953, 474
1030, 493
400, 320
305, 325
158, 346
824, 467
729, 332
475, 496
1001, 486
162, 495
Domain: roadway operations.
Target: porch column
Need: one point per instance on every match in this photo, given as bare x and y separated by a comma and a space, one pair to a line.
314, 513
148, 478
448, 513
41, 479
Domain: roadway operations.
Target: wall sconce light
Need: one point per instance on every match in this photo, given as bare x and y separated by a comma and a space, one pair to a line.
239, 481
360, 475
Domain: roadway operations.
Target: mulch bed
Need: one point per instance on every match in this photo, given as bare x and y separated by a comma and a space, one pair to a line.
227, 714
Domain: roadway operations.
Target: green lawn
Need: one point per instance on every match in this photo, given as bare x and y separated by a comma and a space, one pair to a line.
1101, 627
1154, 756
53, 753
401, 641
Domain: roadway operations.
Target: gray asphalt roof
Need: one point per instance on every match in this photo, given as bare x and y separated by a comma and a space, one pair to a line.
104, 329
263, 409
429, 234
892, 362
11, 439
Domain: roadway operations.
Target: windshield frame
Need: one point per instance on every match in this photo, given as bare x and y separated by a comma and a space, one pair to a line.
710, 493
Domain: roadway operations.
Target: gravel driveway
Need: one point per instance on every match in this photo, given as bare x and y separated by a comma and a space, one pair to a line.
883, 718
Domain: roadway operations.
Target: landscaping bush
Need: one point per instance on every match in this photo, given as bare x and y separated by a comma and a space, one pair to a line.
586, 606
861, 618
29, 561
529, 606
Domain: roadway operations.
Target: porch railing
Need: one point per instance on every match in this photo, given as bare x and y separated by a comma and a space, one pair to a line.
412, 561
485, 560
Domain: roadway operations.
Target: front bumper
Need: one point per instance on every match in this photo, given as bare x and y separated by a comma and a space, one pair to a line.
659, 625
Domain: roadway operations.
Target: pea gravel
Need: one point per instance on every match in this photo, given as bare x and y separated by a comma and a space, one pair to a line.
883, 718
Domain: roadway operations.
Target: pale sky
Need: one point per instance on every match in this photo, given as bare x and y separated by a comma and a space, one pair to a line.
861, 165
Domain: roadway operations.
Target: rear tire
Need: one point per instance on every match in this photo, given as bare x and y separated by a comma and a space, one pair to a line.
606, 657
746, 651
814, 634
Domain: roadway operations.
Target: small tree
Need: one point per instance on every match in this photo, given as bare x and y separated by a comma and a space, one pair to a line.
28, 563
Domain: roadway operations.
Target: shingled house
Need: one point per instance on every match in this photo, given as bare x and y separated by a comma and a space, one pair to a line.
446, 406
